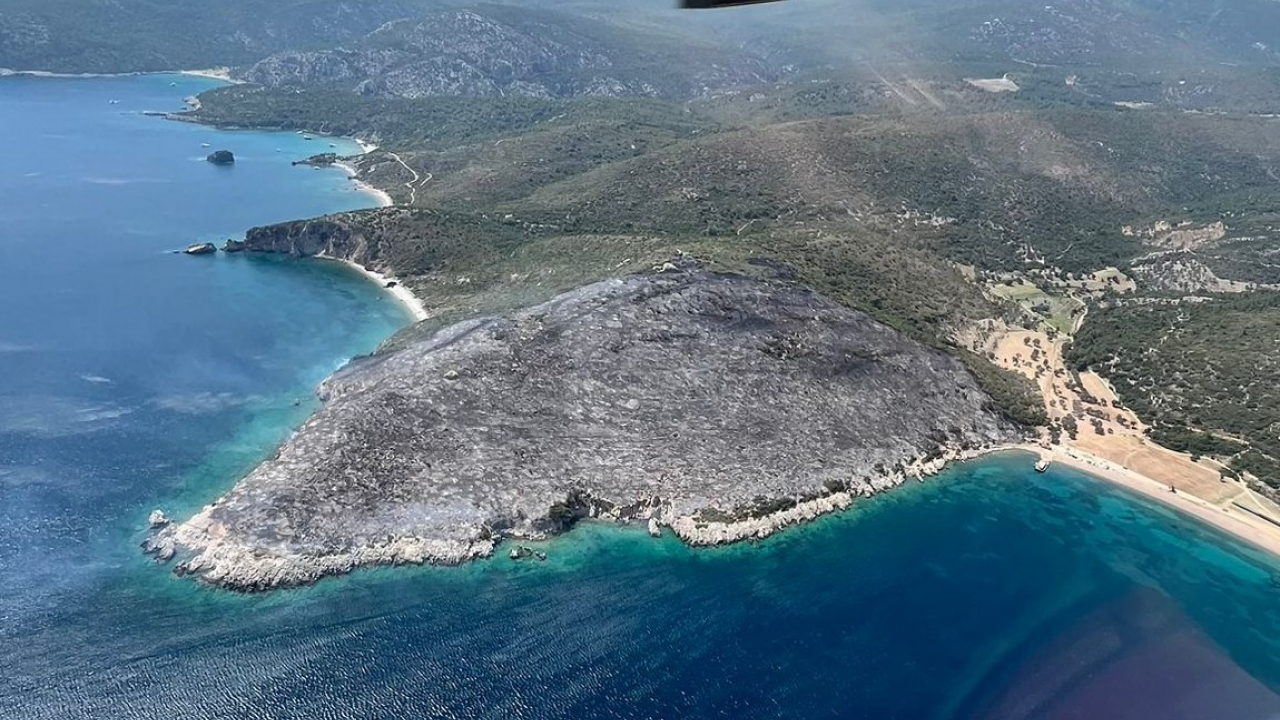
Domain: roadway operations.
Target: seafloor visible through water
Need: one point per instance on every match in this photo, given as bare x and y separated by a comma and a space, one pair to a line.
132, 378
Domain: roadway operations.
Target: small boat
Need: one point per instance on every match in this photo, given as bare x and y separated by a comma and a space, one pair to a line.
307, 137
1042, 465
204, 145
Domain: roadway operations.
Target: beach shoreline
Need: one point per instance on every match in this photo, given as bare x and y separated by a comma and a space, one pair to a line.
411, 302
223, 74
11, 72
1110, 443
217, 73
381, 196
1246, 528
1251, 530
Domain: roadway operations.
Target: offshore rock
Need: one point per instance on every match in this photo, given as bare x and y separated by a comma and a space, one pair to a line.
157, 519
233, 246
725, 407
221, 157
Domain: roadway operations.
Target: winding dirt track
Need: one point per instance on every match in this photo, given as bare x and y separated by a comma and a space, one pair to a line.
417, 181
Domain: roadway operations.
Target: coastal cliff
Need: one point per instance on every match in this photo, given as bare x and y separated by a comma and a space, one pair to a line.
328, 236
719, 406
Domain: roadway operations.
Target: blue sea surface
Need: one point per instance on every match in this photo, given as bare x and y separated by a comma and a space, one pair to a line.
132, 378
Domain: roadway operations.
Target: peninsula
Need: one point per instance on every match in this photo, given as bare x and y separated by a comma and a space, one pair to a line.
720, 406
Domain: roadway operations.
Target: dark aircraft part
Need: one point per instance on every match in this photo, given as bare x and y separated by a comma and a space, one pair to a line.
703, 4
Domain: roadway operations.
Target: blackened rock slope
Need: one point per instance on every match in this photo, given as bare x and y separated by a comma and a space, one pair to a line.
722, 406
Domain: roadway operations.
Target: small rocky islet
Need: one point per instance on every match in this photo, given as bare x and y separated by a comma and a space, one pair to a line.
719, 406
221, 157
202, 248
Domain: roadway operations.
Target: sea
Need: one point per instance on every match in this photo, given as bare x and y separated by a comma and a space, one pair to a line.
134, 378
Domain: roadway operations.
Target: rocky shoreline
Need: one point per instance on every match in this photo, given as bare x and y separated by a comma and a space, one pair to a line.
227, 563
723, 408
703, 533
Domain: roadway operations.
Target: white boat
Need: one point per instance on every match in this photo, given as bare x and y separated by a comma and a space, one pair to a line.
204, 145
1042, 465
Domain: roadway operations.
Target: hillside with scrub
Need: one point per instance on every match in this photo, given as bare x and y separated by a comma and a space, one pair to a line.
1090, 172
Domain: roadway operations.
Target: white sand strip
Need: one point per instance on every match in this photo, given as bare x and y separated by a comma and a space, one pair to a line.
404, 295
381, 196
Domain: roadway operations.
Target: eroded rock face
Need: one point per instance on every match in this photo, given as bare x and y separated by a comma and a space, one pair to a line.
327, 236
697, 399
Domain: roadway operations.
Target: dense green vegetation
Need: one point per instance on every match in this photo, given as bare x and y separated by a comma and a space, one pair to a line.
1052, 186
1013, 394
1206, 374
871, 209
427, 124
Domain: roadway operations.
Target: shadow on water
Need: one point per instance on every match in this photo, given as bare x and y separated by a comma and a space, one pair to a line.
1128, 658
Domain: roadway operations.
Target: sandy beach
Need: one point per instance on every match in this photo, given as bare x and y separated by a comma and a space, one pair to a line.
384, 200
220, 73
10, 72
223, 74
1239, 524
1111, 443
401, 293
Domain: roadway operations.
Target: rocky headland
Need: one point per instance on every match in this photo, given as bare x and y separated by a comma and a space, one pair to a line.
719, 406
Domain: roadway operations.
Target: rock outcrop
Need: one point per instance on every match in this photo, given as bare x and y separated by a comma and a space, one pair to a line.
329, 236
354, 237
222, 157
206, 248
321, 160
719, 406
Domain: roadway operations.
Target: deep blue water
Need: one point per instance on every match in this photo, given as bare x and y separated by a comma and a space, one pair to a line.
131, 378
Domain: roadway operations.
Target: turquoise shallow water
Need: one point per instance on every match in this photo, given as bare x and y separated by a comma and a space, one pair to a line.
130, 378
